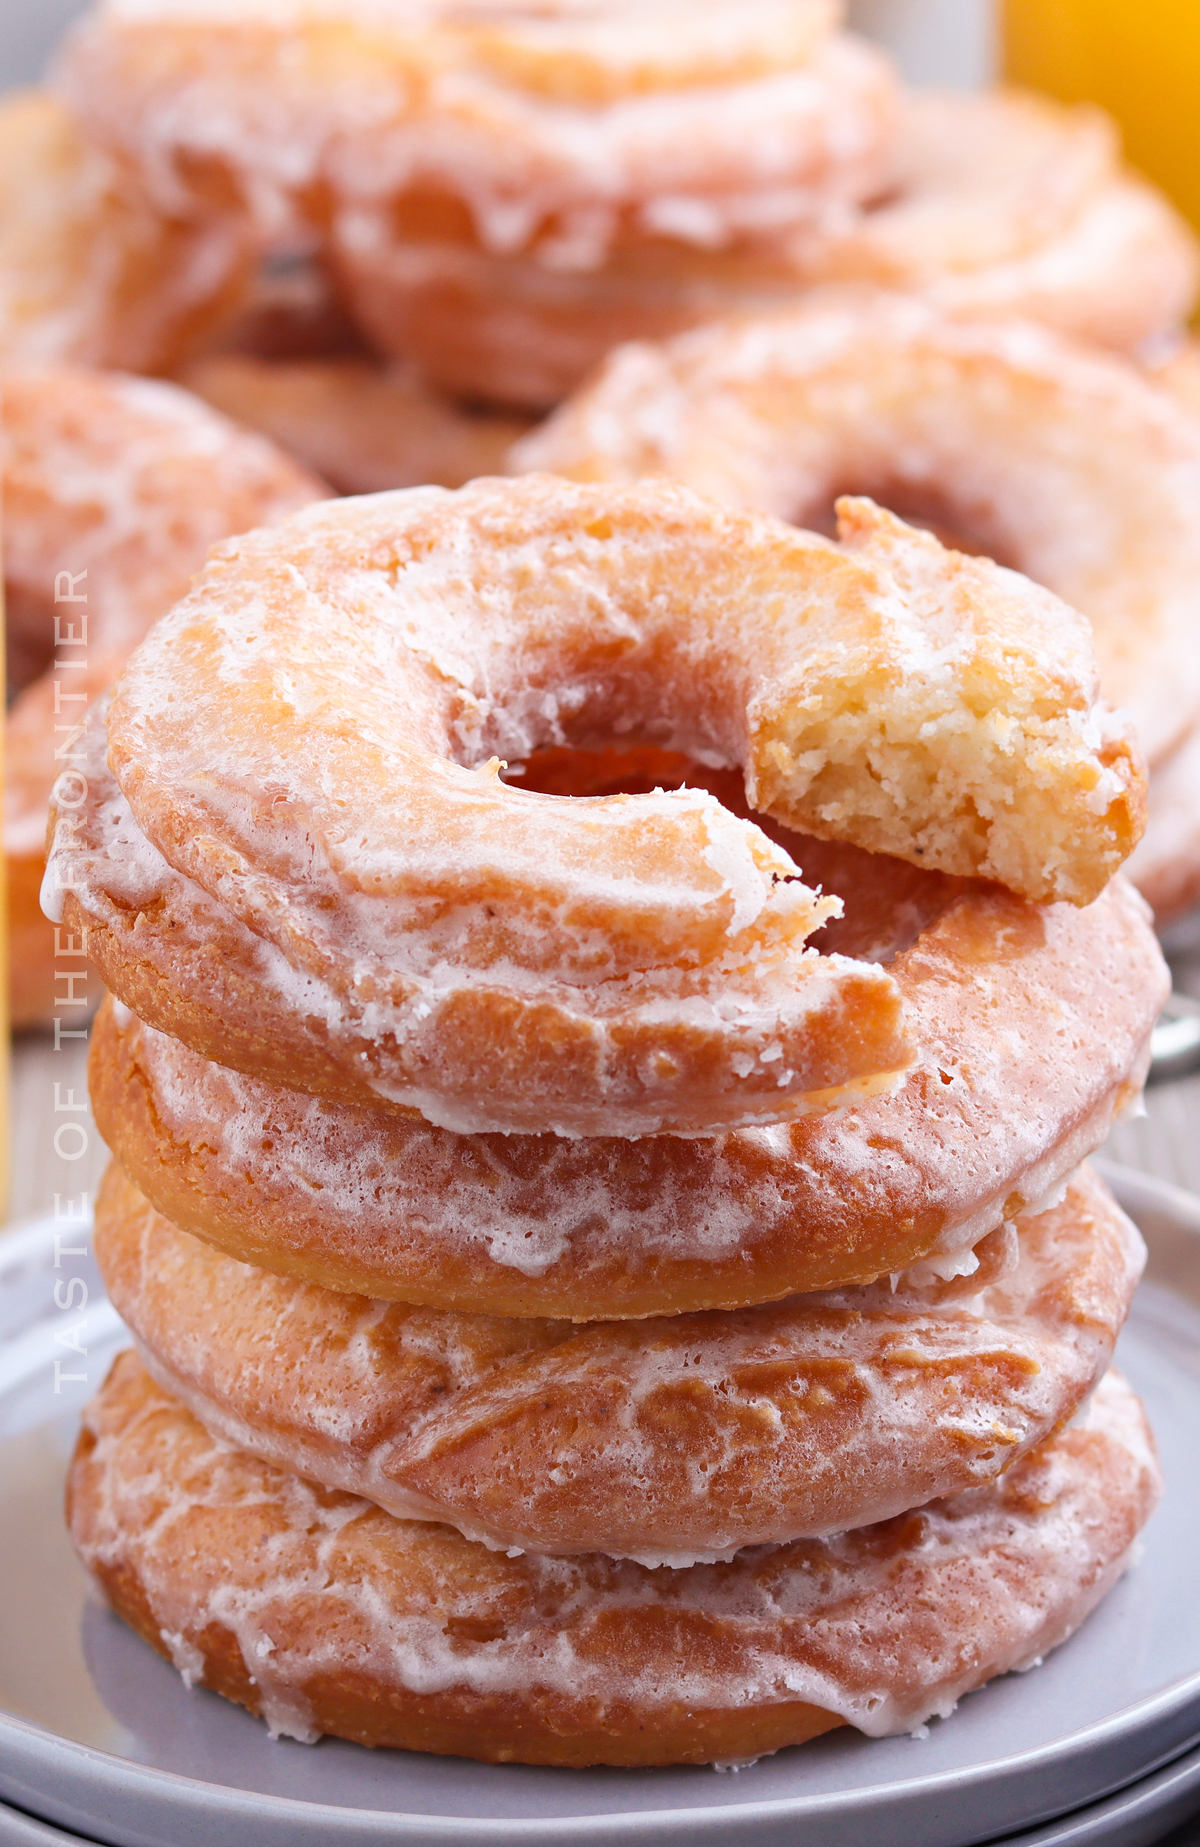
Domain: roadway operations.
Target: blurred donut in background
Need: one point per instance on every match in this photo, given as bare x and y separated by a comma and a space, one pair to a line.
362, 425
90, 271
1071, 464
120, 485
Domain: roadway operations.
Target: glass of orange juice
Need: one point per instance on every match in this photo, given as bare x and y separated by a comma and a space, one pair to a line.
1141, 62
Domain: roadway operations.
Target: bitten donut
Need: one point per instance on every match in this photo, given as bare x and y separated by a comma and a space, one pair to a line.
321, 1613
310, 744
1034, 1030
90, 271
996, 204
672, 1441
361, 426
114, 488
1064, 462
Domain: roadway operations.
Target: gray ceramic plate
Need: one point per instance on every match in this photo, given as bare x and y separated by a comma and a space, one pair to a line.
1134, 1818
98, 1734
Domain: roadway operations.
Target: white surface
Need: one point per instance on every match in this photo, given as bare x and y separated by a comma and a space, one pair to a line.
935, 41
951, 42
29, 30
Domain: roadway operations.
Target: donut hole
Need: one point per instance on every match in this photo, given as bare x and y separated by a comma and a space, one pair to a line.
888, 902
292, 310
964, 525
29, 637
618, 769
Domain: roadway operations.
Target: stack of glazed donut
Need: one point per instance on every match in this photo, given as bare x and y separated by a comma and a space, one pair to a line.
612, 996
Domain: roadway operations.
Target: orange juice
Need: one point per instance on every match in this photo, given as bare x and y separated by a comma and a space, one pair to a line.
1140, 61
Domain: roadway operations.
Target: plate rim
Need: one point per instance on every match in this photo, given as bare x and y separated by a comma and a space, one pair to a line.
217, 1798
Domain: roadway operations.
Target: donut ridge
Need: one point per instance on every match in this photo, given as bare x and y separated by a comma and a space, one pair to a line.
324, 1614
1034, 1024
673, 1440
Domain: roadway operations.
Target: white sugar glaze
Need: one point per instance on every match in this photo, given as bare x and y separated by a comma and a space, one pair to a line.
1025, 1057
886, 1627
120, 485
779, 155
669, 1441
460, 924
473, 1193
714, 160
117, 865
1066, 462
90, 271
1004, 202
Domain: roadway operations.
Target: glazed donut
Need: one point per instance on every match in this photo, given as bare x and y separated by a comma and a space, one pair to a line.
1034, 1027
997, 204
549, 127
90, 272
725, 182
1057, 459
426, 935
321, 1613
121, 484
1179, 373
672, 1440
359, 425
508, 330
600, 51
1165, 865
1008, 203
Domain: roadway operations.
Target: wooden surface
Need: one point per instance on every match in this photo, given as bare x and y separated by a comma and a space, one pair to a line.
1165, 1141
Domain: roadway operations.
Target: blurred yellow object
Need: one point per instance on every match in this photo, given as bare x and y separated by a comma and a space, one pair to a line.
1140, 62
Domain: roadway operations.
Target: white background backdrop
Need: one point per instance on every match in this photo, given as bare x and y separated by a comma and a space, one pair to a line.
936, 41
